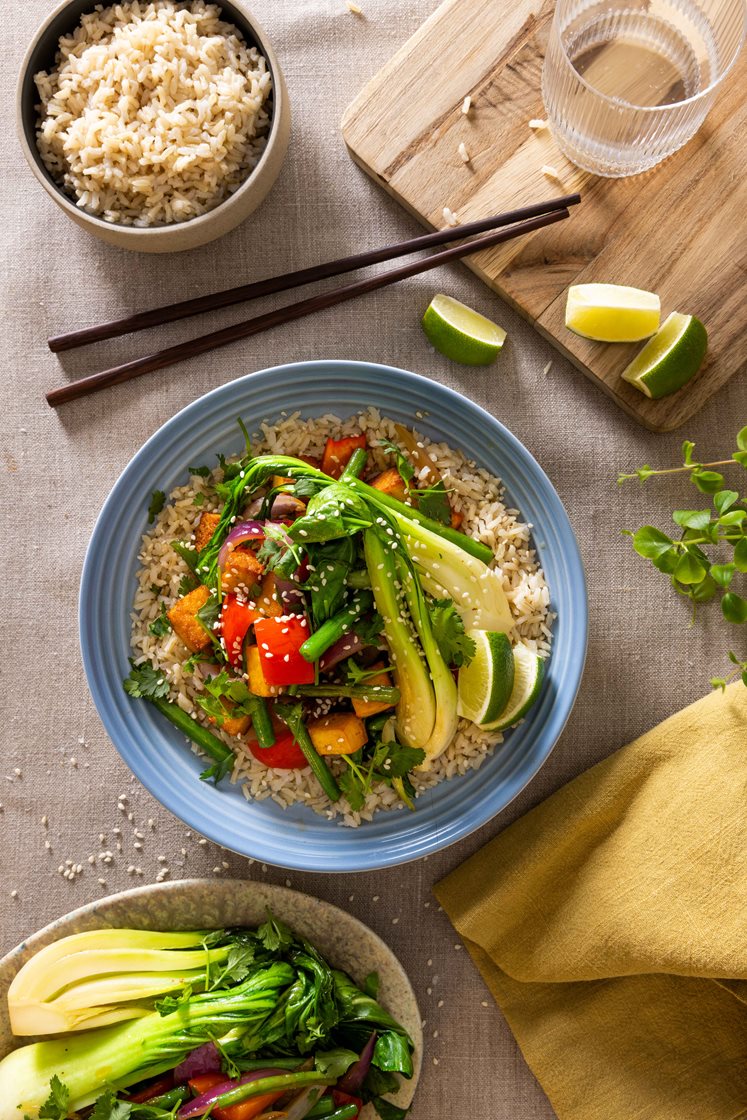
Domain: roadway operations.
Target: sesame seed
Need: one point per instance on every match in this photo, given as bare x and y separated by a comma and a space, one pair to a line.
466, 106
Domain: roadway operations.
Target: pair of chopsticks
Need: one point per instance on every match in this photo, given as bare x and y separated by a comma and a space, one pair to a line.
505, 227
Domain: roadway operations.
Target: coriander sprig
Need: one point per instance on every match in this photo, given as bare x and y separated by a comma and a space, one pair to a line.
710, 554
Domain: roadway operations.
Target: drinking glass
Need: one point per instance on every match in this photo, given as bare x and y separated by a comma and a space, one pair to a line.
627, 82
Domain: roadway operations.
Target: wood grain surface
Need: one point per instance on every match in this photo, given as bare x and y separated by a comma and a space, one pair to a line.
678, 230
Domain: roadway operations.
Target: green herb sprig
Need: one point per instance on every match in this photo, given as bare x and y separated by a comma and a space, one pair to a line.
710, 554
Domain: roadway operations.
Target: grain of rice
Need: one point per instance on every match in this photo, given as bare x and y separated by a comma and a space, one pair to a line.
467, 105
155, 112
450, 217
478, 497
463, 152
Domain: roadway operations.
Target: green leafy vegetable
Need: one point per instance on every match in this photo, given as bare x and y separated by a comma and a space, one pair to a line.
187, 553
108, 1107
200, 472
160, 625
697, 563
156, 504
329, 566
434, 503
145, 681
404, 466
448, 629
389, 1111
57, 1104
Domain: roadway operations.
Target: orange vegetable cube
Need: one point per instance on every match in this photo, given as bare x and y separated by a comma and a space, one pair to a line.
366, 708
256, 678
340, 733
390, 482
268, 602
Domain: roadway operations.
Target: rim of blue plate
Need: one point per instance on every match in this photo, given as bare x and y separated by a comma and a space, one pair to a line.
158, 755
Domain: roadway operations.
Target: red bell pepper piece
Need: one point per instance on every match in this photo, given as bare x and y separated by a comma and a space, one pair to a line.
341, 1099
337, 453
236, 617
284, 754
279, 641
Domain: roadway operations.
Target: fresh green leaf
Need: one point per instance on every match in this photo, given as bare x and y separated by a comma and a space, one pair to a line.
378, 1082
157, 502
221, 768
337, 511
371, 985
404, 466
187, 553
448, 629
237, 966
160, 625
275, 935
199, 499
354, 787
329, 566
734, 607
742, 438
687, 452
208, 615
708, 482
725, 499
334, 1063
57, 1104
172, 1002
188, 583
689, 569
719, 682
369, 629
389, 1111
247, 437
200, 472
650, 542
146, 681
740, 555
722, 573
692, 518
741, 458
306, 486
702, 591
108, 1107
732, 518
667, 561
434, 503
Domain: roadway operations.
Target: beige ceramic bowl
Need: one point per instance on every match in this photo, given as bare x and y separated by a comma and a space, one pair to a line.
203, 904
179, 235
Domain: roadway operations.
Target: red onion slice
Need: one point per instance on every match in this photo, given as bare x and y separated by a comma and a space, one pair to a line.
353, 1080
286, 506
205, 1059
291, 598
241, 533
202, 1103
346, 646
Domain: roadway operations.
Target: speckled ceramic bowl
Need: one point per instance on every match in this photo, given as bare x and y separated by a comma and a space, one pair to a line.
177, 235
206, 904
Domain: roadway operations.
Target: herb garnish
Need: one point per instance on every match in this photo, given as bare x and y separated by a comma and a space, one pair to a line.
157, 502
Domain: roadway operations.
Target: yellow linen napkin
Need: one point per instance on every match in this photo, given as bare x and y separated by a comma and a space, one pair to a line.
610, 924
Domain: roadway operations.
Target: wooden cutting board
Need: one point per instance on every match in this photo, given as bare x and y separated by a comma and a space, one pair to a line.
679, 230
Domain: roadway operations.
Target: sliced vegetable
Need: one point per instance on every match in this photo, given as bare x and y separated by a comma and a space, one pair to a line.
205, 1059
255, 673
292, 715
279, 643
352, 1081
268, 602
346, 646
283, 754
366, 706
236, 617
214, 1088
390, 482
355, 464
337, 453
243, 533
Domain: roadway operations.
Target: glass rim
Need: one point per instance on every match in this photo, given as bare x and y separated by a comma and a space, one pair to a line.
620, 103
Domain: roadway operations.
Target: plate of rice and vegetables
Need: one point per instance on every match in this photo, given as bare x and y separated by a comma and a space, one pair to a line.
343, 616
124, 1011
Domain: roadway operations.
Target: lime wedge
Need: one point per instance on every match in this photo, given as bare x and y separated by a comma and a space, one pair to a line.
460, 333
670, 358
485, 684
529, 669
611, 312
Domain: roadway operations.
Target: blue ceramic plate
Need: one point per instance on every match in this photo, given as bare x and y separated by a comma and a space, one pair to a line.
156, 752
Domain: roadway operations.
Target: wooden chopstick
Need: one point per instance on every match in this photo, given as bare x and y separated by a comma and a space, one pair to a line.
204, 343
244, 292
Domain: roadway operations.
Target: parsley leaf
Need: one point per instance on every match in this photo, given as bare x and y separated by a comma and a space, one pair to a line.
448, 629
434, 503
107, 1107
187, 553
57, 1104
201, 472
161, 625
275, 935
199, 499
157, 502
237, 966
394, 760
146, 681
188, 583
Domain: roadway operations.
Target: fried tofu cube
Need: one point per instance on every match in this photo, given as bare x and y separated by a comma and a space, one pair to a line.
184, 621
390, 482
366, 708
206, 526
340, 733
256, 677
268, 602
242, 569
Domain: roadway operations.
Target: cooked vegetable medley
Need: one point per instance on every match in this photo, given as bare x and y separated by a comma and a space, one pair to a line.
326, 615
236, 1024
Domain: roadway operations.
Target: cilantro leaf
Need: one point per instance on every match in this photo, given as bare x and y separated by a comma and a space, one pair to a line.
157, 502
404, 466
275, 935
236, 967
146, 681
107, 1107
199, 499
369, 629
171, 1003
353, 787
218, 770
448, 629
187, 553
161, 625
188, 583
394, 760
201, 472
208, 615
434, 503
57, 1104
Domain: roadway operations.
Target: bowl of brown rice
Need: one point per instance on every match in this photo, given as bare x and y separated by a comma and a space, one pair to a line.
157, 125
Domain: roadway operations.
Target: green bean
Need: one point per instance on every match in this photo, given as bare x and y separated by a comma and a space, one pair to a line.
355, 465
378, 693
334, 628
292, 714
280, 1082
205, 739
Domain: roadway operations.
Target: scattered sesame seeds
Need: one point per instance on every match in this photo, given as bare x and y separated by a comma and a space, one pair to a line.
353, 7
45, 821
465, 156
467, 105
484, 1003
536, 124
394, 921
551, 172
14, 894
547, 369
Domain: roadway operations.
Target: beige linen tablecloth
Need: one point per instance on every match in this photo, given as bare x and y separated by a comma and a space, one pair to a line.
57, 468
